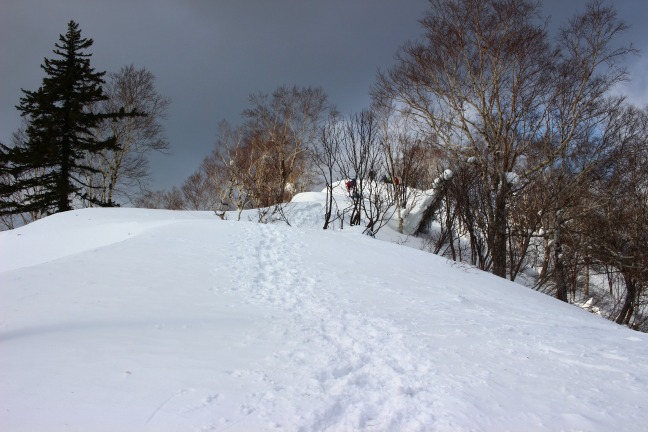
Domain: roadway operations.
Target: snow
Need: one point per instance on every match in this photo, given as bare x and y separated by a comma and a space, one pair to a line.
151, 320
447, 175
416, 214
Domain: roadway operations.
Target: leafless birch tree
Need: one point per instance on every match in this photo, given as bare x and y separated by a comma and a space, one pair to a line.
123, 174
488, 83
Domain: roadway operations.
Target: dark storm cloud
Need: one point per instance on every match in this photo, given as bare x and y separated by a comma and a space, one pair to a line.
210, 55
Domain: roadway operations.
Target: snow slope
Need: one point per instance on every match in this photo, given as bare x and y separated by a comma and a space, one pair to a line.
150, 320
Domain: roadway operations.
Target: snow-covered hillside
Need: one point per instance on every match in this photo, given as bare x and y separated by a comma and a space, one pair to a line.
151, 320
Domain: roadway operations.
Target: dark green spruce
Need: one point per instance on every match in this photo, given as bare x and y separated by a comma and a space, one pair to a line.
46, 172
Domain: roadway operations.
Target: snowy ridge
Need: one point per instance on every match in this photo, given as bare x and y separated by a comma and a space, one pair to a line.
179, 321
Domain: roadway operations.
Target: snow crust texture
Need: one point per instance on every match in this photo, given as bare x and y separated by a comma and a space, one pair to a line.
141, 320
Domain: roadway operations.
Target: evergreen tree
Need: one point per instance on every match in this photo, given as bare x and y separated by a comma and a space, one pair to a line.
48, 169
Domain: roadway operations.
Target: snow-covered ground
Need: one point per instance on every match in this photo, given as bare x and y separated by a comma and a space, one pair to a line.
152, 320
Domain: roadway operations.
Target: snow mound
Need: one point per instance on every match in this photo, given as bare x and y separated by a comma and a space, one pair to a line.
78, 231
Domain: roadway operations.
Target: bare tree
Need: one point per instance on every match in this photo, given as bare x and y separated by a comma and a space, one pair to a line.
487, 81
201, 190
325, 161
617, 229
124, 173
409, 161
240, 168
363, 159
169, 200
280, 129
390, 146
465, 197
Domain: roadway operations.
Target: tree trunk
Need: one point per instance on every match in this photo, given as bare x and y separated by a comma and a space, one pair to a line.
559, 267
587, 275
396, 190
329, 206
498, 246
63, 185
450, 226
627, 309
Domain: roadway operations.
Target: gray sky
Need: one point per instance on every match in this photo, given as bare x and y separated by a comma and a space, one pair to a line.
210, 55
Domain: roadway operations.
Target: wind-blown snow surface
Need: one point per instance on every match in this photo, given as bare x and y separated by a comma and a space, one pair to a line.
145, 320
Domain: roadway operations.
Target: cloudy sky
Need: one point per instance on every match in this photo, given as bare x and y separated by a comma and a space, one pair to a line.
209, 55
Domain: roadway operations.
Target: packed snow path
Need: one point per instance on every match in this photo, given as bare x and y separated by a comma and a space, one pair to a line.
358, 372
138, 320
